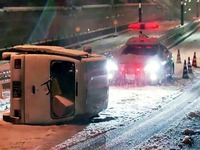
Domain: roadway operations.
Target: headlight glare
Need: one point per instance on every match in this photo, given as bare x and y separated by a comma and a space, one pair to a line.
152, 66
110, 76
111, 66
153, 77
163, 63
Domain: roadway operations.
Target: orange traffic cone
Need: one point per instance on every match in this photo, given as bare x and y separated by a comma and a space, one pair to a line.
189, 66
194, 61
178, 57
185, 71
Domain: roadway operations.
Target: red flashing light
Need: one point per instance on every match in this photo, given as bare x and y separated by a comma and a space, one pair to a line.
122, 69
148, 47
138, 47
131, 69
148, 25
135, 26
151, 25
138, 69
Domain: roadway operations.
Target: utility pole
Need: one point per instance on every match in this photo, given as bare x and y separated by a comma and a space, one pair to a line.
140, 10
71, 3
197, 5
112, 2
182, 12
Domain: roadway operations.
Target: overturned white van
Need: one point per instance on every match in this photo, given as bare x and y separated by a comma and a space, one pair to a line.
51, 84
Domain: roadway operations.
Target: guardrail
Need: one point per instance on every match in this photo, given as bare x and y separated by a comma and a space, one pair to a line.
175, 36
75, 40
171, 37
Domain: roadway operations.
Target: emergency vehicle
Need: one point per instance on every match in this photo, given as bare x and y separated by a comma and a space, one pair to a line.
141, 60
51, 84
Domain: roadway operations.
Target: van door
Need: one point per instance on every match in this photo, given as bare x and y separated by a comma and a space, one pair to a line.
62, 87
36, 99
49, 88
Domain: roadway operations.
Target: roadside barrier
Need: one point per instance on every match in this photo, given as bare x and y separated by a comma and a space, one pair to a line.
189, 66
194, 61
178, 57
185, 71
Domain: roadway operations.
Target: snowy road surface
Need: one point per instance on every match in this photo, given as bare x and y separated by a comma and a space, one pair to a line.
131, 135
146, 111
134, 115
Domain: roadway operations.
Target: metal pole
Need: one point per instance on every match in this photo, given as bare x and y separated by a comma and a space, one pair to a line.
78, 39
112, 2
182, 12
140, 10
197, 5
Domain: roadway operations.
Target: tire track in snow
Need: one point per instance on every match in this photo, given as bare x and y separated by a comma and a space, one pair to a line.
131, 136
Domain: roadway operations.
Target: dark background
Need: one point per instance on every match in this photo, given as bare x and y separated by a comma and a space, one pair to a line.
10, 3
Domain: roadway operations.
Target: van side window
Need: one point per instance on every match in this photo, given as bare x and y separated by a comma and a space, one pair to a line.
63, 74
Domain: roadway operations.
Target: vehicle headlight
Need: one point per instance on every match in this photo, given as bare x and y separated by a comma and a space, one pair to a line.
153, 77
152, 66
163, 63
110, 75
111, 66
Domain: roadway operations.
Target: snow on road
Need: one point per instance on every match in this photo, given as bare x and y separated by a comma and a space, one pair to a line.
129, 104
175, 137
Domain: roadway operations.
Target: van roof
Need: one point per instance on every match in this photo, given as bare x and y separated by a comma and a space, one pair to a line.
142, 41
50, 50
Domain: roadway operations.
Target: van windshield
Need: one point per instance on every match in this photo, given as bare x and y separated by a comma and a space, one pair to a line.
149, 50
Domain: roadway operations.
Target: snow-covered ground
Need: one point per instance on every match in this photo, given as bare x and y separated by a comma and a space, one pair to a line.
185, 135
130, 104
127, 105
